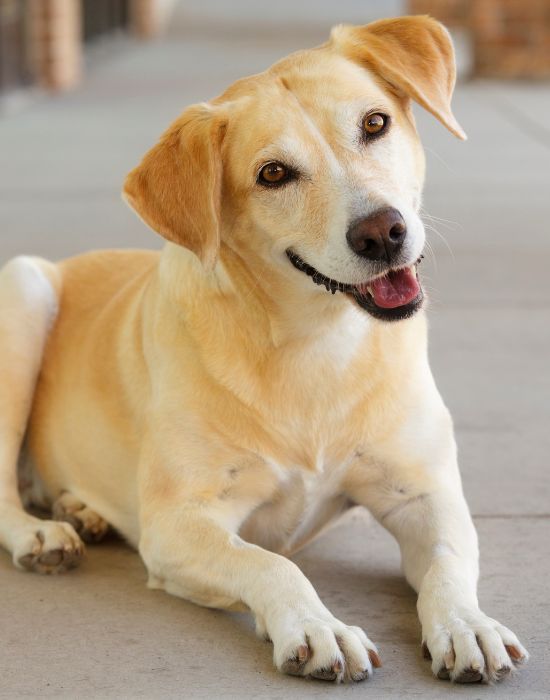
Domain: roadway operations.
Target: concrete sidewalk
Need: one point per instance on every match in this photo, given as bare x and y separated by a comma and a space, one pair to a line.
98, 632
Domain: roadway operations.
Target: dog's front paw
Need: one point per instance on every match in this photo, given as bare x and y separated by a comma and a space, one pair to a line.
324, 648
467, 647
48, 547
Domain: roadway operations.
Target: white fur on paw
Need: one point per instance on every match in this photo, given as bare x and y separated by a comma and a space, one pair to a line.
326, 649
90, 526
470, 647
48, 548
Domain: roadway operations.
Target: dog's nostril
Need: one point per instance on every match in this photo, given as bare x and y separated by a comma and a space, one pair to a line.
397, 233
370, 245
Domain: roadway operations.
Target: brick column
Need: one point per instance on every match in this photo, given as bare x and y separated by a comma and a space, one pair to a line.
511, 38
148, 18
55, 36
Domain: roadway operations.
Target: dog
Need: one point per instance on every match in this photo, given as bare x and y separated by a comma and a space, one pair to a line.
220, 402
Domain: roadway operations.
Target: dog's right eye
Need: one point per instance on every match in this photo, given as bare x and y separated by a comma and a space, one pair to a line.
274, 174
375, 124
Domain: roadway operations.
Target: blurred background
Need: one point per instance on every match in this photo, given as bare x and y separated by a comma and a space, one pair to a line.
86, 87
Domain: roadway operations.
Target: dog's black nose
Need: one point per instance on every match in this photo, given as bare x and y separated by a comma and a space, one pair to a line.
379, 236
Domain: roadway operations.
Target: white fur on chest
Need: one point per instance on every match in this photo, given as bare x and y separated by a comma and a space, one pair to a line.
304, 503
341, 341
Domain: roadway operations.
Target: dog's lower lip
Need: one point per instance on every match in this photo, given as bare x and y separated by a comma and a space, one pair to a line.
363, 294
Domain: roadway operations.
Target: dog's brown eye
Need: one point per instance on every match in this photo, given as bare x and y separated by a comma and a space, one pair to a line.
273, 174
374, 124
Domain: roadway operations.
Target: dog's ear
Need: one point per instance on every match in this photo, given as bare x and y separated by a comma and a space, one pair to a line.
176, 189
414, 55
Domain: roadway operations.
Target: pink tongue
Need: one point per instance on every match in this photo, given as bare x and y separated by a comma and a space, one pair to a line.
397, 288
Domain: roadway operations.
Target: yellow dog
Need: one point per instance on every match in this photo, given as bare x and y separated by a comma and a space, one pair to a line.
220, 402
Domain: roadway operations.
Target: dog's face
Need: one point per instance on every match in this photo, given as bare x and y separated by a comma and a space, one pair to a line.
327, 171
313, 167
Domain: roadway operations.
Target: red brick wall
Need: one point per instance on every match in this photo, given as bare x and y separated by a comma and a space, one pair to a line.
511, 38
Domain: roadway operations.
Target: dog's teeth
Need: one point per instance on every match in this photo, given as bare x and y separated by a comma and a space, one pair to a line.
369, 290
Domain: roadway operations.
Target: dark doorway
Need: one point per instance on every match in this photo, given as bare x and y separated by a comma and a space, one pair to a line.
14, 52
104, 16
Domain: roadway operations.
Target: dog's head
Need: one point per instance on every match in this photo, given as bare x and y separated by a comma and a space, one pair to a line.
313, 167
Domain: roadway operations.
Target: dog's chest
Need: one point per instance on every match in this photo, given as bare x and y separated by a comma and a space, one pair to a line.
316, 429
303, 504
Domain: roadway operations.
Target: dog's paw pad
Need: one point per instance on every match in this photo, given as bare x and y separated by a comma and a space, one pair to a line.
328, 674
52, 558
358, 676
469, 675
502, 672
294, 666
50, 549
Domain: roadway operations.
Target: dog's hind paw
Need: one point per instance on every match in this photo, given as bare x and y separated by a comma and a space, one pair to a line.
89, 525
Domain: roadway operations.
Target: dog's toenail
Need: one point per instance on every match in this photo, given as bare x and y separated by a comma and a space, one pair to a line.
375, 659
514, 652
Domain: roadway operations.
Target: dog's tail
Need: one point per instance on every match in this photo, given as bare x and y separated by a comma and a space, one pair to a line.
29, 299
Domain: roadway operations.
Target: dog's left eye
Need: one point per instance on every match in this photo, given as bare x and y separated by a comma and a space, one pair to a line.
375, 124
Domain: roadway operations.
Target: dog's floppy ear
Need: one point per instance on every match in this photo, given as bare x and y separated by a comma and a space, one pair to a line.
414, 55
176, 189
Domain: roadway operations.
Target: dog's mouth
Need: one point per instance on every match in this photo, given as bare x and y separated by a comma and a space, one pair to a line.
394, 296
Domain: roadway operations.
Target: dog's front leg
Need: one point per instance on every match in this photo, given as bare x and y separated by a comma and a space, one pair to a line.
191, 548
413, 488
440, 559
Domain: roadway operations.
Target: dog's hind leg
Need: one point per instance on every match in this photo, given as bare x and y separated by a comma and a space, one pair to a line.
29, 293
